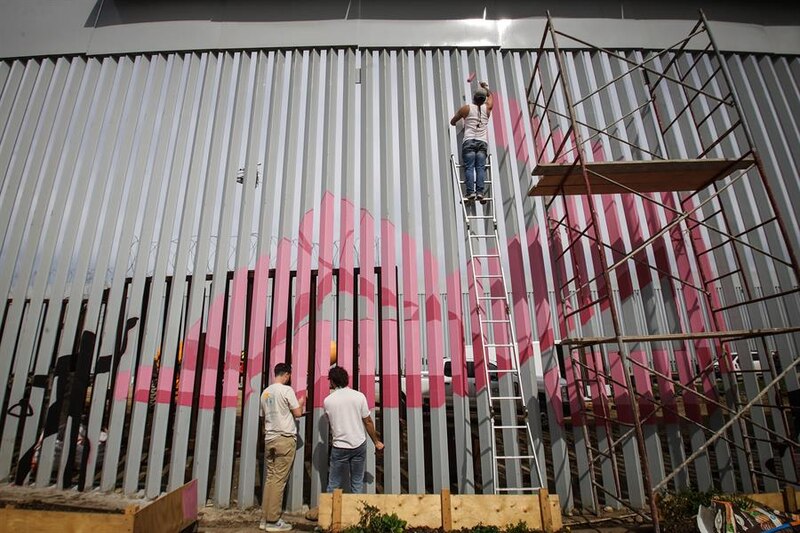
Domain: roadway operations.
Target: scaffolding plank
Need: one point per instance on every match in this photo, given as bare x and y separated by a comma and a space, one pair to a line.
640, 176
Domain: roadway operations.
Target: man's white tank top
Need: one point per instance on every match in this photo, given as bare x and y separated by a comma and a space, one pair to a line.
476, 122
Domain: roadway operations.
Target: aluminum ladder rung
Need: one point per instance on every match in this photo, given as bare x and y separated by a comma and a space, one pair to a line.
502, 371
506, 398
480, 217
459, 165
499, 345
491, 297
496, 321
498, 457
482, 236
511, 427
510, 489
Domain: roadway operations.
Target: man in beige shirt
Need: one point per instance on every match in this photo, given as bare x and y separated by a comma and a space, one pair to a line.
280, 407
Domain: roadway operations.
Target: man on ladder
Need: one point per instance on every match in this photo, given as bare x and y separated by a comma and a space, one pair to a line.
475, 145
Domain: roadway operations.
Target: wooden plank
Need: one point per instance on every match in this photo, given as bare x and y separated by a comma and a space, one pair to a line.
771, 500
544, 507
170, 513
41, 521
325, 510
336, 510
790, 499
470, 510
432, 510
447, 510
641, 176
416, 509
555, 512
781, 501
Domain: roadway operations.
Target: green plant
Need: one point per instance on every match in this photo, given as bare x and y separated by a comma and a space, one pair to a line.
480, 528
373, 521
519, 527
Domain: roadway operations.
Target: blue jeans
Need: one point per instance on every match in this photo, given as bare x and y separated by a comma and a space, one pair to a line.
346, 460
473, 154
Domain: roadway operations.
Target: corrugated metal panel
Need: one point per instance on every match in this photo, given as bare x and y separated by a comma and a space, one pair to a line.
176, 224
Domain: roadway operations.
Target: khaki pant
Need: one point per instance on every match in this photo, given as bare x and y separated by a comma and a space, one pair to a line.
279, 457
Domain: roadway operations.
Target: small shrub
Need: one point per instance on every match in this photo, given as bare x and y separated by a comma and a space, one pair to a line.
480, 528
373, 521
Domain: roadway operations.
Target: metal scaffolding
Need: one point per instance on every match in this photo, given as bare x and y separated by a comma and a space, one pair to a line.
711, 352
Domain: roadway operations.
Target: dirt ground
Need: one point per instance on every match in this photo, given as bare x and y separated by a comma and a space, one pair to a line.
214, 520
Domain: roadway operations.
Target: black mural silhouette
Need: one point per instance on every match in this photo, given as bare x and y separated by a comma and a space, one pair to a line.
72, 380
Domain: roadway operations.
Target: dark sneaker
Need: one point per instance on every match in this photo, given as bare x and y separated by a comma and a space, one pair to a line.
470, 197
481, 198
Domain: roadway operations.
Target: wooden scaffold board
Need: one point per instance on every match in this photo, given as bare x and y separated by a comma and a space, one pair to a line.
640, 176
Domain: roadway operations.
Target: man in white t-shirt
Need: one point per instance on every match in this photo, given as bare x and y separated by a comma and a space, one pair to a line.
280, 407
350, 424
475, 145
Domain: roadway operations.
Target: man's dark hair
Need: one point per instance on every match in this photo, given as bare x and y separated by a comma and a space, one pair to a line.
338, 377
282, 368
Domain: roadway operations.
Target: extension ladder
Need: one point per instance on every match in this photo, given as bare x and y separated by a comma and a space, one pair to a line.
484, 246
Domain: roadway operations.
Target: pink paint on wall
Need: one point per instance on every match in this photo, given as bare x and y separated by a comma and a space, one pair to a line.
614, 228
583, 254
208, 381
346, 287
122, 385
666, 389
390, 395
302, 306
519, 301
413, 344
455, 331
479, 288
636, 233
691, 400
541, 305
433, 332
144, 374
326, 300
502, 335
235, 338
366, 323
575, 386
544, 319
622, 399
599, 385
693, 304
644, 387
189, 365
258, 319
280, 309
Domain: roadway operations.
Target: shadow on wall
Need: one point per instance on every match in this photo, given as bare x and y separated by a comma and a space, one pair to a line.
116, 12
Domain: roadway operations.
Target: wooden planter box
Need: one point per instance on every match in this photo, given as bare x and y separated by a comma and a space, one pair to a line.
171, 513
787, 501
539, 511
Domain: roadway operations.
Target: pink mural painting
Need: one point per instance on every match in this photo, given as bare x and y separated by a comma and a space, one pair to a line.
329, 326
